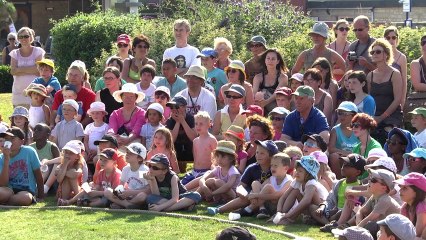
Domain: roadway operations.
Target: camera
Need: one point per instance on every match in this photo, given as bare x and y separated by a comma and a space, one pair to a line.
352, 56
7, 144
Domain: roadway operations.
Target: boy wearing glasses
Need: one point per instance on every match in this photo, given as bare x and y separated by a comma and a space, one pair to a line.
145, 85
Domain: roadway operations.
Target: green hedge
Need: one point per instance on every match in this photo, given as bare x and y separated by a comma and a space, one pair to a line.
6, 79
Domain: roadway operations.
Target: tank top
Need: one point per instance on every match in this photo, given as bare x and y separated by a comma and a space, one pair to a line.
395, 63
309, 57
320, 105
45, 152
165, 186
110, 104
270, 89
343, 142
36, 115
225, 120
277, 187
422, 70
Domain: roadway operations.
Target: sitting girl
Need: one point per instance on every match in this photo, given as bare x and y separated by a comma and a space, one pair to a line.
163, 143
325, 176
19, 119
235, 134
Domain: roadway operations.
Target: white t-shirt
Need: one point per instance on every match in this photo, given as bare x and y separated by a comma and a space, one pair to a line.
421, 138
205, 101
134, 180
277, 187
147, 131
322, 191
184, 57
95, 133
149, 95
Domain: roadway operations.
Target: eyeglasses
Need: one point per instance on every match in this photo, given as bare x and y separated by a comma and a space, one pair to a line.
155, 167
310, 144
122, 45
11, 39
413, 159
355, 125
277, 118
162, 96
423, 43
233, 70
393, 38
358, 29
233, 97
108, 78
374, 180
388, 141
343, 29
376, 52
256, 45
344, 113
23, 36
142, 46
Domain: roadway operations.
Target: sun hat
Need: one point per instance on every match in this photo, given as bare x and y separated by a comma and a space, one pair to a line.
123, 38
73, 146
320, 28
48, 62
376, 152
387, 176
155, 106
268, 145
235, 131
107, 138
80, 65
13, 132
163, 89
253, 109
160, 158
280, 111
353, 233
348, 107
109, 153
416, 179
226, 147
311, 165
235, 233
20, 111
385, 162
138, 149
304, 91
317, 138
72, 103
355, 160
177, 101
297, 76
236, 88
207, 52
284, 91
236, 64
416, 153
321, 157
197, 71
419, 111
128, 88
37, 88
97, 107
400, 225
256, 39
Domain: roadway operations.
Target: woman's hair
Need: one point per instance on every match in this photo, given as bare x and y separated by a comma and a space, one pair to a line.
12, 34
149, 69
231, 157
366, 121
293, 151
324, 64
420, 197
262, 122
116, 59
387, 48
169, 139
362, 78
140, 38
82, 70
389, 30
336, 25
78, 163
346, 94
224, 41
280, 65
315, 74
28, 30
241, 76
26, 129
112, 70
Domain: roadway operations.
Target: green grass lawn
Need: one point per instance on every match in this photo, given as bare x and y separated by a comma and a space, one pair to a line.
6, 107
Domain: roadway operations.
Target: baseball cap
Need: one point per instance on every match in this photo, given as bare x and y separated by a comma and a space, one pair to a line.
107, 138
281, 145
317, 138
320, 28
356, 161
123, 38
46, 61
280, 111
268, 145
226, 147
155, 106
236, 88
377, 153
400, 225
160, 158
416, 153
385, 162
109, 153
256, 39
353, 233
253, 109
207, 52
72, 103
304, 91
284, 91
163, 89
386, 176
348, 107
235, 233
297, 76
416, 179
73, 146
419, 111
321, 157
138, 149
13, 132
177, 101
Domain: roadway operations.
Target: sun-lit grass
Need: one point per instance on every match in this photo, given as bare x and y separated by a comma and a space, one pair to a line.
6, 107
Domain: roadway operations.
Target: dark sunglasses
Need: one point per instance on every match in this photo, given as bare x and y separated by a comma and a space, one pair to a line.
374, 180
256, 45
344, 113
142, 46
376, 52
358, 29
23, 36
388, 141
277, 118
423, 42
356, 125
11, 39
234, 97
393, 37
233, 70
343, 29
161, 96
122, 45
413, 159
155, 167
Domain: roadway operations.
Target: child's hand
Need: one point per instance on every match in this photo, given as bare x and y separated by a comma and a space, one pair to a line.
155, 208
319, 212
126, 194
148, 176
49, 89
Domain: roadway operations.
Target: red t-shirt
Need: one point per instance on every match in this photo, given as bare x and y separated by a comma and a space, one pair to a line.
85, 96
121, 163
112, 181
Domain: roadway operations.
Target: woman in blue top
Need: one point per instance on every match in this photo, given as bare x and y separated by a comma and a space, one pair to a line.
359, 87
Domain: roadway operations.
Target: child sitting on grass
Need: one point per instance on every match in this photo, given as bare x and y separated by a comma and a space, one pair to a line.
396, 226
295, 154
39, 112
96, 130
163, 143
325, 176
264, 196
219, 184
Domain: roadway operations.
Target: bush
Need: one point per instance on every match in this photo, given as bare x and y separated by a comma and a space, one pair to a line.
6, 79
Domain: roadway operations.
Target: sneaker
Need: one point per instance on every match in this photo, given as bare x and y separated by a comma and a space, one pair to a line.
46, 189
263, 213
244, 213
212, 210
328, 227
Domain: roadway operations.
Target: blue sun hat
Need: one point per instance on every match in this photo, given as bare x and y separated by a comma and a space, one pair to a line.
311, 165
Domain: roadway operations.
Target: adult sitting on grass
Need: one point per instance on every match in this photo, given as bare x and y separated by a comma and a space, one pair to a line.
20, 175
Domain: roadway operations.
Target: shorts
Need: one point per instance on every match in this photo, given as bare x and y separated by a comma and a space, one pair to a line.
154, 199
193, 175
18, 190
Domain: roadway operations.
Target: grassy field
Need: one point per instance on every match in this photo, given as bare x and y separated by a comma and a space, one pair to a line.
6, 107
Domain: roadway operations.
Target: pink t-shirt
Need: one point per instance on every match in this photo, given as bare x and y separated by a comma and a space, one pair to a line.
109, 182
116, 120
241, 155
421, 208
217, 171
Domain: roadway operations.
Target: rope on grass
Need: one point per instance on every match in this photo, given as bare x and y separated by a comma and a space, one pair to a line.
167, 214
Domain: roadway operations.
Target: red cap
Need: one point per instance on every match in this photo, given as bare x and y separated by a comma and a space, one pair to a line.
285, 91
253, 109
123, 38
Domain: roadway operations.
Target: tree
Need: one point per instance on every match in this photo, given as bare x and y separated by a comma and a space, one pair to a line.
7, 13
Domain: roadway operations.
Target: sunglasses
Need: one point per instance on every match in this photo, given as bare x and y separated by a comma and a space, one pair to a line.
374, 180
23, 36
310, 144
343, 29
413, 159
277, 118
344, 113
155, 167
388, 141
11, 39
234, 97
122, 45
142, 46
256, 45
358, 29
423, 43
233, 70
108, 78
393, 38
375, 52
355, 125
163, 97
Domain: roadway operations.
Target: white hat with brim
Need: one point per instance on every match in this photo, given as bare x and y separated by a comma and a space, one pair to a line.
128, 88
197, 71
97, 107
72, 146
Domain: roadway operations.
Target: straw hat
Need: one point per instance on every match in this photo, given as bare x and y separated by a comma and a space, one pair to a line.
37, 88
128, 88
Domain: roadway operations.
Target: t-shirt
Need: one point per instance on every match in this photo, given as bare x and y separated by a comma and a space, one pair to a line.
205, 101
95, 133
183, 145
421, 138
134, 179
134, 126
147, 132
177, 86
85, 96
112, 181
361, 49
241, 155
217, 171
217, 78
66, 131
254, 173
371, 144
322, 191
121, 162
184, 57
384, 205
53, 82
420, 209
45, 152
341, 196
149, 95
367, 105
294, 127
345, 143
21, 169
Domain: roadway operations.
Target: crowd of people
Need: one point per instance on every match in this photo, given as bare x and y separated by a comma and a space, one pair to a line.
322, 141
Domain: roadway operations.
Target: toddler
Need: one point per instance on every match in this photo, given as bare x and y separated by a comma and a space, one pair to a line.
96, 130
154, 116
39, 112
19, 119
68, 92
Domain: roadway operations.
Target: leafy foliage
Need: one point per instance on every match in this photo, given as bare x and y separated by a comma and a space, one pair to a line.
6, 79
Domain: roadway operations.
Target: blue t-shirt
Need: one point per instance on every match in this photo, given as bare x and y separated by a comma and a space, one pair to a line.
254, 173
80, 110
53, 82
216, 78
345, 143
294, 127
177, 86
367, 105
21, 169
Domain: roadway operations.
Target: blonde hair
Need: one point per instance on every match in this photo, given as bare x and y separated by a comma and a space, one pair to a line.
202, 115
293, 151
283, 157
224, 41
81, 67
29, 31
183, 22
77, 164
169, 139
387, 48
